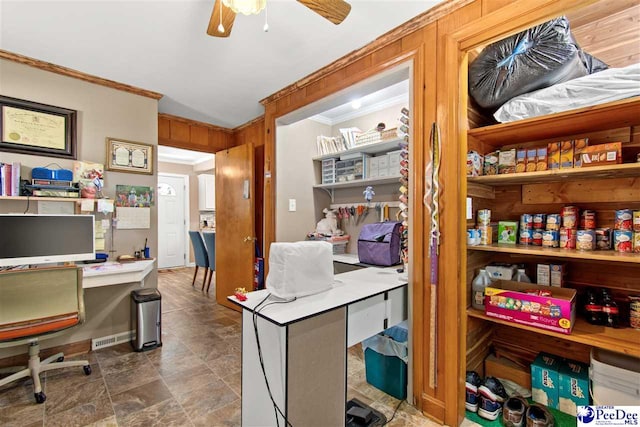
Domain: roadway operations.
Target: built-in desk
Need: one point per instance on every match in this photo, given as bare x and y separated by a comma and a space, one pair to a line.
115, 273
304, 346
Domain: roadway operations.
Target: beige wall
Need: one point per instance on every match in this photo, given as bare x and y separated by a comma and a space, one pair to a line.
102, 112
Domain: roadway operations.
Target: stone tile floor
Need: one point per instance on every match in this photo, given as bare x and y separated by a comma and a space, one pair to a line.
192, 380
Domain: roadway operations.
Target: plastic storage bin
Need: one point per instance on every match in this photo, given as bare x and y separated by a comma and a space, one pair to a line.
615, 378
385, 359
145, 318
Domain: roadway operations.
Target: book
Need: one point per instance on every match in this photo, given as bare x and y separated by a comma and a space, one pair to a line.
6, 179
15, 179
56, 193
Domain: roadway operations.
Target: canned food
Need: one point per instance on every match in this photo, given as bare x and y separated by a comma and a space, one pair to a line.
553, 222
486, 234
623, 240
526, 221
624, 220
634, 311
526, 236
588, 220
603, 238
569, 216
539, 220
473, 237
585, 240
636, 221
636, 242
550, 239
484, 216
537, 237
568, 238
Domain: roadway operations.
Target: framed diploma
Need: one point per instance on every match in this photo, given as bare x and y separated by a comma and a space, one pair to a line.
31, 128
129, 156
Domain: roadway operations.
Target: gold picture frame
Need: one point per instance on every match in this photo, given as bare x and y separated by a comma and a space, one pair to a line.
129, 156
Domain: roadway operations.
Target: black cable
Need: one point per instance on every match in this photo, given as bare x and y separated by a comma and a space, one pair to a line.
27, 209
394, 413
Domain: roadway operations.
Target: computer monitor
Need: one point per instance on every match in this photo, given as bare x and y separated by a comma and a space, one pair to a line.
43, 239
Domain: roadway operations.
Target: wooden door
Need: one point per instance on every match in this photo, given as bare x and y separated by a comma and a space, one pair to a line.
235, 222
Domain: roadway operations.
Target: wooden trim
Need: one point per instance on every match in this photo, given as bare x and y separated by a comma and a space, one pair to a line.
69, 72
248, 124
79, 347
194, 122
416, 23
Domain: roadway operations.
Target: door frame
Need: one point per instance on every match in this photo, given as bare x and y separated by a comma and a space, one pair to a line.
187, 213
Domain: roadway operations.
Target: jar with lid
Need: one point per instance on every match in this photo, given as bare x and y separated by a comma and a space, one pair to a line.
521, 276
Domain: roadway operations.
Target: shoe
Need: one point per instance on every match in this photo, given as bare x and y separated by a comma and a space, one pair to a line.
471, 391
492, 396
539, 416
513, 411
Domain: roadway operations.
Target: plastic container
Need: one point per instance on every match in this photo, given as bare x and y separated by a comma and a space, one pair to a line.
385, 359
480, 282
521, 276
615, 378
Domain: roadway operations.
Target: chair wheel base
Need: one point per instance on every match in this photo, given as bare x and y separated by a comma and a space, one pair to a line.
87, 369
60, 359
40, 397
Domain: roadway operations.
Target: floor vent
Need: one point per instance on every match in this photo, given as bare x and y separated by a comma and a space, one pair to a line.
108, 341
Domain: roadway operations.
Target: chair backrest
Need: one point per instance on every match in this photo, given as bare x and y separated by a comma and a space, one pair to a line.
35, 302
210, 243
199, 250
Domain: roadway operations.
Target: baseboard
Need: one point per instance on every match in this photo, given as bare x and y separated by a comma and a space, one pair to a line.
433, 408
71, 349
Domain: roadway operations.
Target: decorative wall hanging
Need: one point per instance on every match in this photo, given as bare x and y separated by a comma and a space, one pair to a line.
129, 156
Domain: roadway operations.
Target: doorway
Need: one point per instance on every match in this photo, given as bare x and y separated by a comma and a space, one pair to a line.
173, 210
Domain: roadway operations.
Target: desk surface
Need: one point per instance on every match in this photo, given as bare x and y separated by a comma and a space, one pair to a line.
349, 288
114, 273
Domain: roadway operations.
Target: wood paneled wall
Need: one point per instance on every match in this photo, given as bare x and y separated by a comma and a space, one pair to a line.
179, 132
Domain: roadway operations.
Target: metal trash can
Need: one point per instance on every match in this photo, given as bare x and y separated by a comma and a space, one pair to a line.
145, 319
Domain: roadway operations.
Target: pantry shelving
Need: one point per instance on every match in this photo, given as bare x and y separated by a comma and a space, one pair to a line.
607, 256
360, 182
371, 148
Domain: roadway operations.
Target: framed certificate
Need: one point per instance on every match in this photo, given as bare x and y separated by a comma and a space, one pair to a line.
31, 128
129, 156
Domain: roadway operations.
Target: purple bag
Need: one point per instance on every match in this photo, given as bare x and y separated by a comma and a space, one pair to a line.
379, 243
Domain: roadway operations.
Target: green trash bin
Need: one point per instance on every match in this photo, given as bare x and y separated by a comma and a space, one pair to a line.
385, 360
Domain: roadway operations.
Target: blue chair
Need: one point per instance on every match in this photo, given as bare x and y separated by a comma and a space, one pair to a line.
210, 243
200, 254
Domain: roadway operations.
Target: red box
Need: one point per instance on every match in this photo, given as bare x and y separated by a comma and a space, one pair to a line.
511, 301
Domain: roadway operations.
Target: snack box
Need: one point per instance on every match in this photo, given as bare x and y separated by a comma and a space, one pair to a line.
545, 387
578, 147
474, 164
601, 154
507, 161
507, 232
529, 304
573, 378
491, 163
541, 159
566, 155
553, 155
521, 160
551, 274
532, 160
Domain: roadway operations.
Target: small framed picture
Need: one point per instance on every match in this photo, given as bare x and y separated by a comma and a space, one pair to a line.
129, 156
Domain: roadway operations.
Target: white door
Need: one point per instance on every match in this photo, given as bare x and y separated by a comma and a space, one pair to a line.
171, 221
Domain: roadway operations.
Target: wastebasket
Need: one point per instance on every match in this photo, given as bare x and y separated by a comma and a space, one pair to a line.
145, 319
385, 360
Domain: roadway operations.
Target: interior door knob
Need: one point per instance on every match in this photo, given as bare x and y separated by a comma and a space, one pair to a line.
248, 239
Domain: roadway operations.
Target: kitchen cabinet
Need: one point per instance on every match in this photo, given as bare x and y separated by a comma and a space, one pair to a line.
207, 192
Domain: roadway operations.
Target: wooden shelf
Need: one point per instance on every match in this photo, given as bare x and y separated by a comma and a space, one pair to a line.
624, 340
589, 119
361, 182
43, 199
372, 148
608, 256
628, 170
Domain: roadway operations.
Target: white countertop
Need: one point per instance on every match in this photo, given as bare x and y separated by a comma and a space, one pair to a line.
346, 258
349, 288
114, 273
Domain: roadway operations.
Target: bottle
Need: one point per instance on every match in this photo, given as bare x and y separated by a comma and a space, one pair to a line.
609, 310
481, 281
521, 276
593, 308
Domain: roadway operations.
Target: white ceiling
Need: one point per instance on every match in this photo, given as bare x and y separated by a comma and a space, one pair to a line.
187, 157
162, 45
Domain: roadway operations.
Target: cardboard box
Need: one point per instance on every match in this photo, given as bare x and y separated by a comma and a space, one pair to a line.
475, 164
601, 155
507, 161
541, 159
521, 160
516, 302
551, 274
566, 155
543, 274
505, 368
507, 232
573, 387
532, 159
553, 155
544, 380
578, 147
491, 163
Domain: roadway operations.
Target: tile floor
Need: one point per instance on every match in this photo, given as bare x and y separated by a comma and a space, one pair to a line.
192, 380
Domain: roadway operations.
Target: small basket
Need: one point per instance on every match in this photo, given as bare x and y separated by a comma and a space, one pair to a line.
388, 134
369, 137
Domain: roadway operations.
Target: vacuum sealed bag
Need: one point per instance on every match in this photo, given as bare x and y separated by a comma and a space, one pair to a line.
533, 59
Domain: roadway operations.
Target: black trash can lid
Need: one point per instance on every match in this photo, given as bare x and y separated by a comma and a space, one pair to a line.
145, 295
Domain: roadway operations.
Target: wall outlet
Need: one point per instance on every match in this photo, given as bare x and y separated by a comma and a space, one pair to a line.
292, 205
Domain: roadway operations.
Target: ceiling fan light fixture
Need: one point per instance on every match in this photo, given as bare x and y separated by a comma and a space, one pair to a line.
245, 7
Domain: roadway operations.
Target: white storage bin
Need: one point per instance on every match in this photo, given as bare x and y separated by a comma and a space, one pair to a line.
372, 171
615, 378
383, 165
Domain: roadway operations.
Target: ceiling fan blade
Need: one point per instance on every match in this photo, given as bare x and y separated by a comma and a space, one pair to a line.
228, 16
333, 10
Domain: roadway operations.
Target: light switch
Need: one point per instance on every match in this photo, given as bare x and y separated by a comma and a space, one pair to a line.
292, 205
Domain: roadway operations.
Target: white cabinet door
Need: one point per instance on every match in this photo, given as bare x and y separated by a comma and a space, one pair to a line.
206, 192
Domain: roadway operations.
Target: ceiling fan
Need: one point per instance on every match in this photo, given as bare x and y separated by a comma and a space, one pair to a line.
224, 12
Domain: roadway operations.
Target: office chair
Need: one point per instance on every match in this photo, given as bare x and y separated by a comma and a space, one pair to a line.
210, 242
200, 254
36, 304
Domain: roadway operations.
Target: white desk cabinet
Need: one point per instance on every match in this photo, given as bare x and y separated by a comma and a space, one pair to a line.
206, 192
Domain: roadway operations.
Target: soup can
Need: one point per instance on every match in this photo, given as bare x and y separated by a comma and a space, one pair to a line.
634, 311
603, 238
624, 219
539, 220
585, 240
537, 237
588, 220
484, 216
486, 236
569, 216
550, 239
568, 238
636, 242
636, 221
526, 221
553, 222
473, 237
623, 240
526, 236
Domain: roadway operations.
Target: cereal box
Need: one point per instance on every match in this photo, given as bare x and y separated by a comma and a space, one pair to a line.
532, 159
521, 160
573, 388
507, 161
474, 164
601, 154
491, 163
544, 380
578, 146
553, 155
541, 159
557, 274
566, 155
